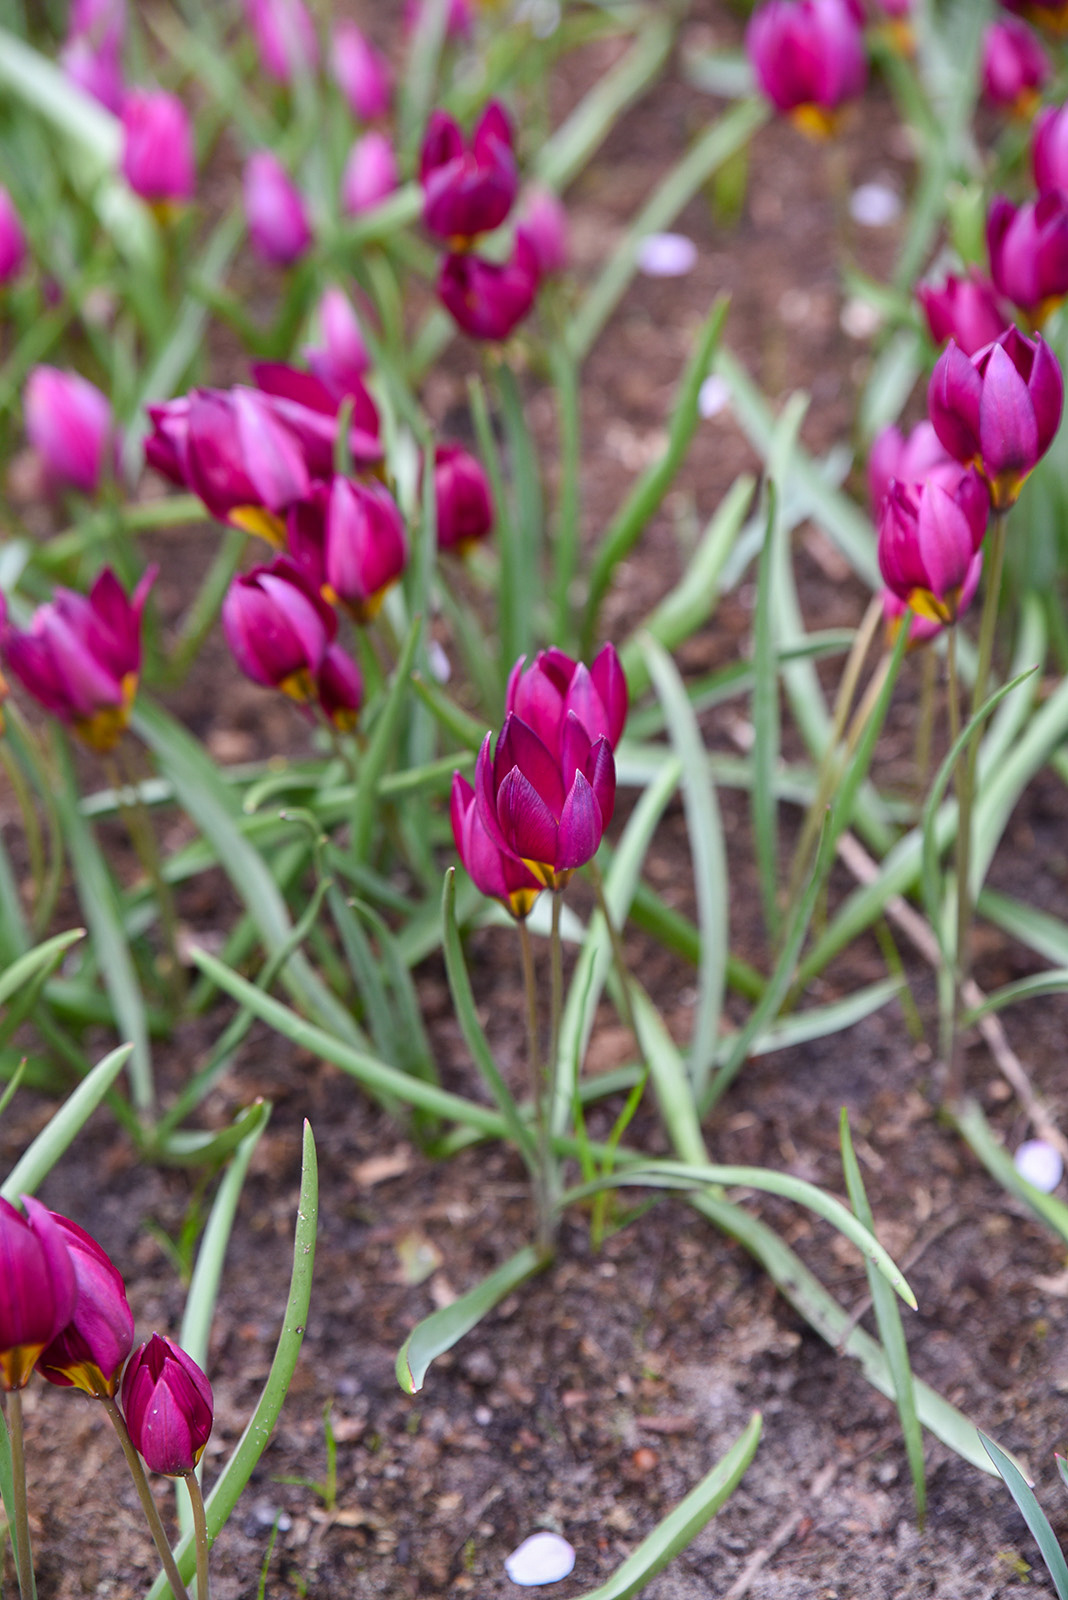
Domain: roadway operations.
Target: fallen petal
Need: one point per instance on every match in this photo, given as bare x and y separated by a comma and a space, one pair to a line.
667, 255
543, 1558
1039, 1164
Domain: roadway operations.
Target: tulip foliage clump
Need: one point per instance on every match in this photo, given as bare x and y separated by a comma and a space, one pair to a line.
296, 292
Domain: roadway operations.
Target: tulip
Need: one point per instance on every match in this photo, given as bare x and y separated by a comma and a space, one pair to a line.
808, 57
484, 299
1014, 66
1029, 252
1049, 150
81, 656
965, 309
921, 455
12, 239
554, 687
341, 360
361, 71
157, 157
167, 1403
492, 871
468, 188
68, 423
364, 546
278, 627
462, 498
340, 688
277, 220
285, 37
370, 174
544, 223
92, 54
37, 1288
241, 458
166, 446
923, 629
998, 410
548, 811
309, 411
930, 540
89, 1352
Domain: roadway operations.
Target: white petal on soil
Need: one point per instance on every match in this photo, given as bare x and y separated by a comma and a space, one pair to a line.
543, 1558
667, 255
713, 396
874, 205
1040, 1164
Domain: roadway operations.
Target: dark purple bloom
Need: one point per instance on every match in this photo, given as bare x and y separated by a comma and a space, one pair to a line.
1029, 252
1014, 66
462, 498
553, 687
89, 1351
467, 188
965, 309
808, 57
365, 548
168, 1406
37, 1288
279, 627
340, 688
492, 870
1049, 150
930, 542
487, 300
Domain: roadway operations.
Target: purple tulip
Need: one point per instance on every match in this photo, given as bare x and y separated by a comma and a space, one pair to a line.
543, 220
12, 239
468, 188
89, 1352
68, 423
808, 57
37, 1288
81, 656
923, 629
341, 359
1049, 150
553, 687
365, 549
492, 871
168, 1406
370, 174
361, 71
462, 498
309, 411
339, 686
285, 37
1014, 66
277, 220
921, 455
92, 54
549, 811
930, 539
1029, 252
279, 628
965, 309
486, 300
240, 457
157, 158
998, 410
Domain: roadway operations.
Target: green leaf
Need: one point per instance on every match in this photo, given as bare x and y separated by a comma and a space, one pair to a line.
1002, 786
671, 1082
375, 757
766, 728
34, 1165
1033, 1515
446, 1327
43, 958
976, 1130
682, 1525
1041, 932
1055, 982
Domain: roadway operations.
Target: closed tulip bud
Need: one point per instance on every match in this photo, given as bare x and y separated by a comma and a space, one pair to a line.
37, 1288
279, 627
998, 410
308, 410
462, 498
923, 629
89, 1351
1014, 66
965, 309
365, 549
166, 446
544, 223
808, 57
242, 459
370, 174
553, 687
492, 871
341, 359
277, 220
157, 157
12, 239
921, 455
168, 1406
80, 658
486, 300
468, 187
285, 37
1049, 150
68, 423
930, 538
340, 686
1029, 252
547, 811
361, 71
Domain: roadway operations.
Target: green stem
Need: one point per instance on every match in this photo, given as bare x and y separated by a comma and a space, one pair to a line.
925, 724
142, 834
556, 1007
23, 1551
200, 1533
542, 1112
144, 1494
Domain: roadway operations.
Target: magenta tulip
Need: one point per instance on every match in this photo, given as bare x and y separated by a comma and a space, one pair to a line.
553, 687
362, 72
37, 1288
340, 360
168, 1406
365, 548
92, 54
68, 423
157, 158
543, 220
279, 627
492, 870
285, 37
240, 457
89, 1351
468, 188
339, 687
808, 57
309, 411
930, 538
12, 239
965, 309
1014, 66
486, 300
921, 455
1049, 150
462, 498
1029, 252
277, 220
370, 174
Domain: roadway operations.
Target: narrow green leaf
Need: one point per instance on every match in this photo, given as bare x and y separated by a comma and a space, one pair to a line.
1033, 1515
529, 506
976, 1130
1002, 786
1039, 930
766, 728
1055, 982
375, 757
674, 1089
446, 1327
34, 1165
43, 958
819, 1022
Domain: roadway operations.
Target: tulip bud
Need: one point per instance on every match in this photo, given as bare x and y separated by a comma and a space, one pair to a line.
1029, 252
930, 539
486, 300
157, 159
362, 73
12, 239
277, 221
167, 1403
340, 687
37, 1288
921, 455
544, 222
89, 1352
92, 54
492, 871
1014, 66
278, 627
553, 687
965, 309
370, 174
285, 37
1049, 150
808, 57
341, 359
68, 423
365, 549
241, 458
462, 498
468, 188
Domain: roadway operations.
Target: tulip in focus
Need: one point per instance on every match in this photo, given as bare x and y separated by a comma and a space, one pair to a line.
998, 410
277, 220
361, 71
341, 358
12, 239
1014, 66
285, 37
808, 58
965, 309
157, 157
168, 1406
492, 870
543, 220
80, 658
279, 627
468, 187
37, 1288
487, 300
462, 498
370, 174
1049, 150
68, 423
1029, 253
339, 686
930, 543
553, 687
89, 1351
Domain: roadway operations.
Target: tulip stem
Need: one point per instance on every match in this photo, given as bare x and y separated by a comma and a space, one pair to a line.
200, 1532
148, 1504
146, 847
925, 724
537, 1088
23, 1551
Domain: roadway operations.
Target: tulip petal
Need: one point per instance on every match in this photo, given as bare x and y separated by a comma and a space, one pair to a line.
581, 826
1008, 432
528, 825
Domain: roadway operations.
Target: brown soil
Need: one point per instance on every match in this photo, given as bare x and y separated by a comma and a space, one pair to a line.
594, 1398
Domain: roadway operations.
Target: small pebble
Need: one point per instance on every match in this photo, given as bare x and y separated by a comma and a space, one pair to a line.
713, 396
1040, 1164
543, 1558
874, 205
667, 255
